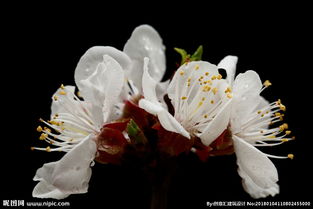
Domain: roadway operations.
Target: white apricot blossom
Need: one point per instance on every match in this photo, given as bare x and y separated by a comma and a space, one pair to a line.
251, 121
105, 78
199, 97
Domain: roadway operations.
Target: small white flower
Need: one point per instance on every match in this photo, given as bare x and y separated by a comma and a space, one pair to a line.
144, 42
74, 127
249, 125
197, 93
104, 77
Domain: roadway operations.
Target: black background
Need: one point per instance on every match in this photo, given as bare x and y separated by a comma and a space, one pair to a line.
43, 43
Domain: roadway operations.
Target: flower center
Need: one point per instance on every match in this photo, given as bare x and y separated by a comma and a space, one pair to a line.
72, 122
202, 95
259, 131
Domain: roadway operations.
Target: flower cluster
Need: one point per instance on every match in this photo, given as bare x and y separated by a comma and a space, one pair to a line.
121, 112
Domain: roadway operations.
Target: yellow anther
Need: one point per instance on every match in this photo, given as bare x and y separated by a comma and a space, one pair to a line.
291, 156
62, 86
282, 107
213, 77
271, 137
219, 76
284, 140
214, 90
56, 116
287, 132
206, 88
286, 125
293, 138
200, 104
197, 67
262, 115
278, 102
267, 83
188, 84
32, 148
55, 98
261, 131
283, 127
200, 83
181, 72
79, 94
228, 90
207, 73
209, 82
47, 129
43, 136
48, 149
277, 114
212, 101
183, 98
205, 116
229, 95
189, 79
267, 112
259, 112
62, 92
39, 129
54, 122
203, 98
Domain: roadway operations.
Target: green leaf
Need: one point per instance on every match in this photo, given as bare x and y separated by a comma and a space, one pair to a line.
132, 128
135, 133
198, 54
185, 57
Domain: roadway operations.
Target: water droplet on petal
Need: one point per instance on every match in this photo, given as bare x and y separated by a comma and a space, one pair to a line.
92, 163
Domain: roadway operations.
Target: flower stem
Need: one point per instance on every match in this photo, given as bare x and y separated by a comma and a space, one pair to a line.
159, 197
161, 183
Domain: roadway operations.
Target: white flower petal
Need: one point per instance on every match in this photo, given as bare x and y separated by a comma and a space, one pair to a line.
246, 91
247, 85
262, 103
258, 173
192, 71
150, 107
259, 104
167, 121
145, 42
70, 175
45, 190
103, 87
56, 106
229, 64
89, 62
153, 106
148, 84
217, 125
161, 91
